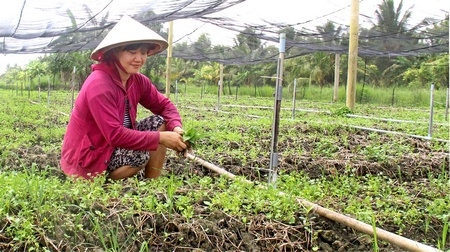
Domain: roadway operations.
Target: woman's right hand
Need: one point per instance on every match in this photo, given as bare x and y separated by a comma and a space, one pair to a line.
172, 140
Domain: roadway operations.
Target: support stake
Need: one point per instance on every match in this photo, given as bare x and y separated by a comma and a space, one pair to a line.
276, 114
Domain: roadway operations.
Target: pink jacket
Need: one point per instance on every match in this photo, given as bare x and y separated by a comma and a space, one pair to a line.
96, 126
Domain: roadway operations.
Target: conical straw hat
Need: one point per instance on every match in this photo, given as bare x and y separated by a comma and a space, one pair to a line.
129, 31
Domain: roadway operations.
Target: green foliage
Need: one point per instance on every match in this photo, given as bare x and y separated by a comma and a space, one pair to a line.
434, 69
342, 111
192, 136
35, 204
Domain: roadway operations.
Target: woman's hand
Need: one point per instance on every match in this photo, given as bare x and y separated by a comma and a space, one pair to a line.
180, 131
172, 140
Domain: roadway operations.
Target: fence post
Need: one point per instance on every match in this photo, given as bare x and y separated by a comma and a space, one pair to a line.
294, 94
430, 127
29, 86
176, 92
273, 165
39, 87
447, 103
219, 85
73, 87
48, 90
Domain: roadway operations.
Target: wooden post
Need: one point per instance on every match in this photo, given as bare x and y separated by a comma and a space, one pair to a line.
73, 87
29, 86
48, 90
169, 58
294, 98
430, 123
219, 93
221, 78
39, 87
176, 92
352, 56
447, 103
337, 63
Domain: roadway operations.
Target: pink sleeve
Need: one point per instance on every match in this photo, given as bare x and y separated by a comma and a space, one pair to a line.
159, 104
104, 108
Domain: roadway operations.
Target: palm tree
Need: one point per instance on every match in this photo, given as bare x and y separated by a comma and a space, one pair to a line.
390, 33
329, 33
331, 36
392, 25
247, 38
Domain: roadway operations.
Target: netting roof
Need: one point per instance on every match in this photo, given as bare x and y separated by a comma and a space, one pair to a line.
47, 26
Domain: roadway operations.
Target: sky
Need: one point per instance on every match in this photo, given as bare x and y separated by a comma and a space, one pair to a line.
313, 13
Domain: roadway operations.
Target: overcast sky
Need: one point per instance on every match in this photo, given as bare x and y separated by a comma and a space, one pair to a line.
314, 13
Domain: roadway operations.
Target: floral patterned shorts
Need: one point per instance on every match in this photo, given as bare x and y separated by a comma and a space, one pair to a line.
134, 158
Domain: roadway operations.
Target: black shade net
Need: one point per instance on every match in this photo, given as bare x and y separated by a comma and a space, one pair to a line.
52, 26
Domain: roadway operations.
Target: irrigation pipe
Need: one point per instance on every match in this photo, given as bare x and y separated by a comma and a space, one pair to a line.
381, 234
264, 107
325, 112
346, 125
392, 120
223, 112
398, 133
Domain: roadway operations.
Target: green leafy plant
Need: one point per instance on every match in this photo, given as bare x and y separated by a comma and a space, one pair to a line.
192, 136
342, 112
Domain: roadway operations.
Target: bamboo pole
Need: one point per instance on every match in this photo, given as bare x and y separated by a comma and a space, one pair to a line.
430, 124
73, 87
381, 234
447, 103
337, 64
169, 59
352, 56
294, 97
219, 93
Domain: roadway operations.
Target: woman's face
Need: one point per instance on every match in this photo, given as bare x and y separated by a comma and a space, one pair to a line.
132, 60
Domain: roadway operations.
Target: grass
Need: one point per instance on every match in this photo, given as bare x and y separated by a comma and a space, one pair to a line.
37, 208
375, 96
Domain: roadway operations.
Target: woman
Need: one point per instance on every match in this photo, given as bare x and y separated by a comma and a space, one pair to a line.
102, 135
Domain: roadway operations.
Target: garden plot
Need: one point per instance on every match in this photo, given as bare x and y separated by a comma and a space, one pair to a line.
395, 182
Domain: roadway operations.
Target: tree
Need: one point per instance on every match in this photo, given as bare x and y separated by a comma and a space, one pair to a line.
329, 33
37, 68
63, 64
13, 75
430, 36
433, 68
319, 65
391, 33
248, 39
211, 73
155, 66
203, 44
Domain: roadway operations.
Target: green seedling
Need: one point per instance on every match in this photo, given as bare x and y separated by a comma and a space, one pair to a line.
192, 136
